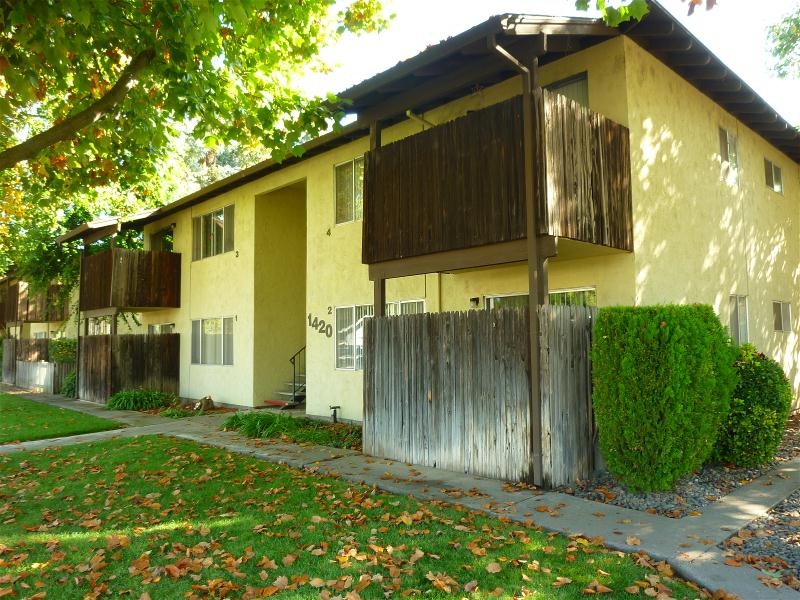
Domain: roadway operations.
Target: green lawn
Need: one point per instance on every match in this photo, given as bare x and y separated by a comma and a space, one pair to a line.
23, 420
162, 518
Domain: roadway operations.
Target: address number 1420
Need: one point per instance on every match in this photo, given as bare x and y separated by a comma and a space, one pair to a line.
320, 325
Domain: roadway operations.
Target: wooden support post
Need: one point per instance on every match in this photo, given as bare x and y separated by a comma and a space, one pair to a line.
379, 303
533, 157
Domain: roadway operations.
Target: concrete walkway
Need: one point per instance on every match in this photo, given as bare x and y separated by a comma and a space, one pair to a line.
688, 544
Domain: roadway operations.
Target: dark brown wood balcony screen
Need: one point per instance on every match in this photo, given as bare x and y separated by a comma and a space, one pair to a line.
454, 186
130, 279
41, 307
460, 184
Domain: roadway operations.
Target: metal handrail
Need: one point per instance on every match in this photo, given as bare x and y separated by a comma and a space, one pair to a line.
294, 360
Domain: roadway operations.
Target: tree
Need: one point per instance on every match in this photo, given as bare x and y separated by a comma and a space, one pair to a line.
784, 38
631, 9
90, 91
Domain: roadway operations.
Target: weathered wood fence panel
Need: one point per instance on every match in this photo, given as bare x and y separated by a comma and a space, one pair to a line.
566, 384
94, 368
10, 361
111, 363
450, 390
148, 361
33, 350
36, 376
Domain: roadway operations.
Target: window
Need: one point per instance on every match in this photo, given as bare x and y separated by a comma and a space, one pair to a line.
575, 88
571, 297
40, 335
574, 297
738, 319
350, 191
212, 233
782, 316
350, 336
405, 307
509, 301
728, 155
212, 341
772, 175
161, 328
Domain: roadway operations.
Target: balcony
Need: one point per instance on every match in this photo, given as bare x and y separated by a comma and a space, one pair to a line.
130, 280
460, 185
19, 305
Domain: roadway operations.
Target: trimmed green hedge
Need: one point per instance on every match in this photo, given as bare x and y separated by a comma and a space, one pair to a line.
663, 377
759, 409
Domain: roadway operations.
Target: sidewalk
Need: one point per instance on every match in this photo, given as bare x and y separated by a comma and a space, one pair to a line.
688, 544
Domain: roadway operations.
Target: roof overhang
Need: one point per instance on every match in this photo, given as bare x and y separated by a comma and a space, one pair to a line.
102, 228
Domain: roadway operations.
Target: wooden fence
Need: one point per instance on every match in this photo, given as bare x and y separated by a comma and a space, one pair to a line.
568, 439
25, 365
10, 361
452, 390
45, 377
112, 363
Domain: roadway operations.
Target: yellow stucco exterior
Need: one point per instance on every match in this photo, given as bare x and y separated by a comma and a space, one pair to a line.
697, 238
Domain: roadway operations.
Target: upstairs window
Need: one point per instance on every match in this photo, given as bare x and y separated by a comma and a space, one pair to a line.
212, 233
738, 319
576, 88
772, 175
729, 156
350, 191
782, 316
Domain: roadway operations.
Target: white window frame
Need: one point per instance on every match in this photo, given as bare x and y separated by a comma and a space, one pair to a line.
782, 316
773, 176
355, 210
159, 328
221, 236
729, 155
349, 348
405, 307
490, 299
738, 327
223, 353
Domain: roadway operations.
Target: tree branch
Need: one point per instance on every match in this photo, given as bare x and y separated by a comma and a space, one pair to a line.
69, 127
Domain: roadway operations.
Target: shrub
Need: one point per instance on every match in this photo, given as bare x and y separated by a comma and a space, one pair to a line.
760, 407
662, 378
140, 400
69, 387
63, 350
176, 412
295, 429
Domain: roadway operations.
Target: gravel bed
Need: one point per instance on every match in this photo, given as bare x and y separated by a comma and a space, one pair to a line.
770, 543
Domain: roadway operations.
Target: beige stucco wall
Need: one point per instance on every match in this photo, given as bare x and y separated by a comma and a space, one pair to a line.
698, 238
279, 318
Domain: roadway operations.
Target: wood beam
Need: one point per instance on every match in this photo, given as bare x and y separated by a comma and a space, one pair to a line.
723, 85
690, 59
451, 260
704, 73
